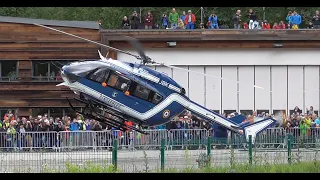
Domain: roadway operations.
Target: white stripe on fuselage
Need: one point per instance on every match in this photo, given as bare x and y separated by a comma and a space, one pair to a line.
153, 111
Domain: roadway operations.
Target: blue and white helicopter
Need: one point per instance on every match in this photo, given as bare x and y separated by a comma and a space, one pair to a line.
134, 92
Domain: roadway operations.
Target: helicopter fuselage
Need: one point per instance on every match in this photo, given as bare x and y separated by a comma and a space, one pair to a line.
154, 105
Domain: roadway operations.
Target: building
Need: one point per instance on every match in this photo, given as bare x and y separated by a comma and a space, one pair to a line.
284, 62
29, 59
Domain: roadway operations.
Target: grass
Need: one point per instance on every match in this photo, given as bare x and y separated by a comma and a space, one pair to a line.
298, 167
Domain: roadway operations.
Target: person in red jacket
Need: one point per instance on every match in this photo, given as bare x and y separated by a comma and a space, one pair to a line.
275, 26
245, 26
190, 20
148, 21
282, 25
265, 25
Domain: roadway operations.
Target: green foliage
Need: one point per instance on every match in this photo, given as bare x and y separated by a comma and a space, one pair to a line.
112, 16
87, 167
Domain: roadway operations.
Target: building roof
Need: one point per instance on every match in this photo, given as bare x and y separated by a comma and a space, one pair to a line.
75, 24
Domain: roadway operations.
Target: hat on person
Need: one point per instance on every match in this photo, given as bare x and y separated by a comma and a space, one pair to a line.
189, 11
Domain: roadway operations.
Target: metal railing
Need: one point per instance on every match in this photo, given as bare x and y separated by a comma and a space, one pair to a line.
71, 151
174, 139
47, 78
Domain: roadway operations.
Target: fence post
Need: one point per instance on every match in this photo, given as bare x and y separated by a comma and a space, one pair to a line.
209, 151
163, 142
289, 148
250, 149
115, 154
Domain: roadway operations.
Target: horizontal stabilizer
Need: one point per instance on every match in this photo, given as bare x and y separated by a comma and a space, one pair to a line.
62, 84
255, 128
238, 119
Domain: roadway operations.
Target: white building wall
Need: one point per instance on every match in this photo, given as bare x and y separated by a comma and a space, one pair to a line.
213, 88
262, 97
289, 77
229, 88
295, 87
197, 89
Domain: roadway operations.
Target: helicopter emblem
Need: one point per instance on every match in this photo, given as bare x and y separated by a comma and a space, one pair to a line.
114, 94
166, 114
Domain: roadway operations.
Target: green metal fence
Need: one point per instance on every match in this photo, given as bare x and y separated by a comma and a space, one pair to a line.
160, 151
208, 157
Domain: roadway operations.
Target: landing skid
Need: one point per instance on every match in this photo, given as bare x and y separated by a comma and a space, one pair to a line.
114, 120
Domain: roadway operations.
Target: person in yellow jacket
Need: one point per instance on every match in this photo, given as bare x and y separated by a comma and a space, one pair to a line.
308, 124
295, 26
181, 24
11, 137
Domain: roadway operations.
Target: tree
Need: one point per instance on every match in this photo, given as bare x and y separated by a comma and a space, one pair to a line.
111, 16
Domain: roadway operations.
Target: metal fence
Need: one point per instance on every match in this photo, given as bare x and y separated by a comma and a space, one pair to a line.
174, 139
42, 151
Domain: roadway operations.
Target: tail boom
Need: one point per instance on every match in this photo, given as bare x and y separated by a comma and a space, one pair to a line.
247, 129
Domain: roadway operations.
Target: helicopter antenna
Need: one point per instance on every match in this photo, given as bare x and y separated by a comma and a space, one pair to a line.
144, 58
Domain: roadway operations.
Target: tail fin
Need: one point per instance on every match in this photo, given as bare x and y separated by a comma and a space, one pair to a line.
101, 57
255, 128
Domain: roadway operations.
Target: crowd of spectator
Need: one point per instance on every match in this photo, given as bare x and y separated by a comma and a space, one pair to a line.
12, 126
188, 21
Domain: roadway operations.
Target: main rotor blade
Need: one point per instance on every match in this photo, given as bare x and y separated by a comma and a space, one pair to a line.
94, 42
137, 45
208, 75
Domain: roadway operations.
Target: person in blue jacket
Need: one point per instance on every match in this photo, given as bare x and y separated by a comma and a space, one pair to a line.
213, 19
289, 19
296, 18
183, 17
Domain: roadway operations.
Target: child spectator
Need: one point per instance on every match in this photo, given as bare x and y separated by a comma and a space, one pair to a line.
245, 26
164, 21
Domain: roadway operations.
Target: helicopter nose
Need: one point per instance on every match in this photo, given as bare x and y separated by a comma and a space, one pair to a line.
68, 76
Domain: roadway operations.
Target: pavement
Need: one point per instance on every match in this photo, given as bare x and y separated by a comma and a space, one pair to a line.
141, 161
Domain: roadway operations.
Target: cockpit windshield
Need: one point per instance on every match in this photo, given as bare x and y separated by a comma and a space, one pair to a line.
81, 68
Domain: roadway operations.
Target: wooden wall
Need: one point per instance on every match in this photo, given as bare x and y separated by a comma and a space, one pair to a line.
26, 43
219, 44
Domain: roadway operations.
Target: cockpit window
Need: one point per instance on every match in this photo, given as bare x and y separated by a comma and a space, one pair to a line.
112, 80
156, 98
141, 92
118, 82
99, 75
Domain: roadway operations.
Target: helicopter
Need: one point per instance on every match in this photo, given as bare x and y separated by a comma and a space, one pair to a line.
115, 92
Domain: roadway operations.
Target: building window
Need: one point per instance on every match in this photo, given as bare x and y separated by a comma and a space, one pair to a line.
3, 112
8, 70
262, 111
47, 70
246, 112
216, 111
39, 111
278, 112
56, 112
229, 111
70, 113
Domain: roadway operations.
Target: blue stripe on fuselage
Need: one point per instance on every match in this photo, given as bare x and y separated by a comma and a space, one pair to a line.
158, 119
